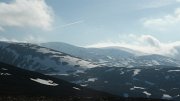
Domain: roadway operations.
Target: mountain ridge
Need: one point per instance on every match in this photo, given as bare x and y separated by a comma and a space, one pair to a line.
113, 56
37, 58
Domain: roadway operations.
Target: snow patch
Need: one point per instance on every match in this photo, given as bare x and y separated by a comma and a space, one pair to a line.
166, 96
45, 82
135, 87
147, 94
121, 73
109, 57
174, 88
76, 88
155, 62
75, 61
162, 90
136, 72
84, 85
173, 70
92, 79
80, 71
157, 69
5, 74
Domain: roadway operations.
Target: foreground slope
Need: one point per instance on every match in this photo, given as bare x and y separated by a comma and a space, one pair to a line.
16, 81
22, 85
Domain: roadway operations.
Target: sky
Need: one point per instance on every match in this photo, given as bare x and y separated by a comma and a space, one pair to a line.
142, 24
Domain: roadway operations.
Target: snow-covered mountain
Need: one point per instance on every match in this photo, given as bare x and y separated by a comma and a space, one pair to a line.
113, 56
87, 52
58, 60
150, 82
41, 59
154, 81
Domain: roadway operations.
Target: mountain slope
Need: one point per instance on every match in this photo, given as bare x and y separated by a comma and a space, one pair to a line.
147, 81
16, 81
87, 52
21, 85
41, 59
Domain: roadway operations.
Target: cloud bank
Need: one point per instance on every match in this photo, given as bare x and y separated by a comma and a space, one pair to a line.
146, 44
164, 22
157, 3
26, 39
26, 13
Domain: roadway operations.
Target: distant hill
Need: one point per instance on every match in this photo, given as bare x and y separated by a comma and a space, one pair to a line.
113, 56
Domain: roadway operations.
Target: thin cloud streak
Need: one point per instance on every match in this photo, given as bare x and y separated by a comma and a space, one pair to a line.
69, 24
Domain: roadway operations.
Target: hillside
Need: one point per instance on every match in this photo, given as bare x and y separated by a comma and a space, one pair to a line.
41, 59
21, 85
146, 81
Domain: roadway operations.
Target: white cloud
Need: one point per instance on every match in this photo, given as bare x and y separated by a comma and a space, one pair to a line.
146, 44
25, 39
33, 39
6, 39
165, 22
150, 40
26, 13
156, 3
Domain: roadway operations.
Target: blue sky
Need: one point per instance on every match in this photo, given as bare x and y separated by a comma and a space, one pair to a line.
91, 22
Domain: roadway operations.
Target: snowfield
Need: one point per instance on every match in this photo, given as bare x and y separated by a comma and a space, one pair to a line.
76, 88
136, 72
147, 94
166, 96
173, 70
45, 82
